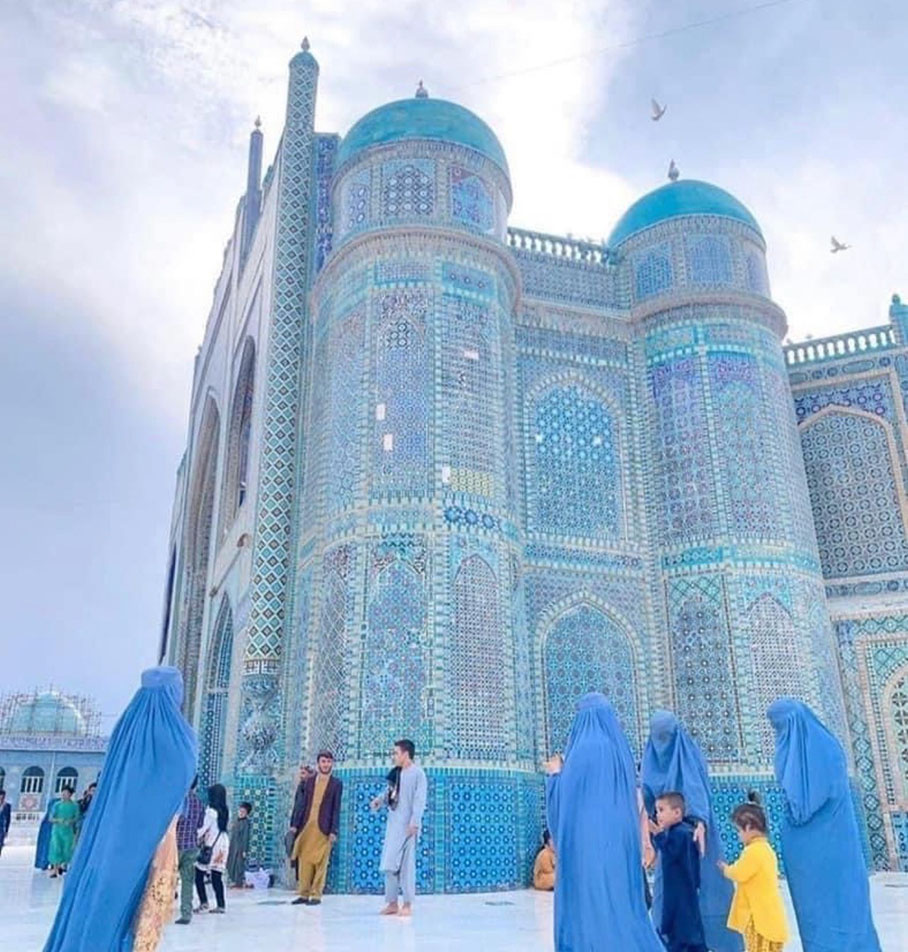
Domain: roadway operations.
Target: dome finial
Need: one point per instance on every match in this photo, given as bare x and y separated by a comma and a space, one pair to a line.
304, 46
421, 91
673, 172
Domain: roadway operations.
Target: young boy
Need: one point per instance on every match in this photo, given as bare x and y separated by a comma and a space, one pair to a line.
239, 844
681, 926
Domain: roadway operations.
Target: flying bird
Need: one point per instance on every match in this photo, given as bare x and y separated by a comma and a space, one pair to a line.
658, 111
673, 172
837, 245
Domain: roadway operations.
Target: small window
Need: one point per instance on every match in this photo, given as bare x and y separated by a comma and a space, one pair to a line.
32, 781
67, 777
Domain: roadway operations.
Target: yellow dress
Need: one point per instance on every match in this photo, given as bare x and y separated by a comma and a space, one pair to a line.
312, 848
757, 911
157, 901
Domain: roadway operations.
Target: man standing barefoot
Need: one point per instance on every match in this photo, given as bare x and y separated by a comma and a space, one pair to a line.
405, 799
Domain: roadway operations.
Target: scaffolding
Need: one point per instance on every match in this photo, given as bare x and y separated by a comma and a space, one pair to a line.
49, 712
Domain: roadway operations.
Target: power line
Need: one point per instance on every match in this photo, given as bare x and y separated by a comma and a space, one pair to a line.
626, 44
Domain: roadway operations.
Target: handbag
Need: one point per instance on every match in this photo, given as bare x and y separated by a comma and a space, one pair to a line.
206, 852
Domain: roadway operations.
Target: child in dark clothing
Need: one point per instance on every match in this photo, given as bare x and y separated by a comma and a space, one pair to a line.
681, 926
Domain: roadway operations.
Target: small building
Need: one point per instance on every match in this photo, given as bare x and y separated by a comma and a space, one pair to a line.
48, 740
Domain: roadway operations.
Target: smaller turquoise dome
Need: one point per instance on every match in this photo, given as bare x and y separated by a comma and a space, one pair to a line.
421, 118
48, 713
677, 200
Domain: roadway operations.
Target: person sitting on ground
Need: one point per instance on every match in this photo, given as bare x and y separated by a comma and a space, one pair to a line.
680, 923
544, 866
239, 846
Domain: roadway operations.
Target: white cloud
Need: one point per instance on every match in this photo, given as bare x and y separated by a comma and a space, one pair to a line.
133, 130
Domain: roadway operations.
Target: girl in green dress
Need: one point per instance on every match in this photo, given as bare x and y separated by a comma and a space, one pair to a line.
63, 836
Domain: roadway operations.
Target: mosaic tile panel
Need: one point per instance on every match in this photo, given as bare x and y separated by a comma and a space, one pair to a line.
217, 687
855, 497
586, 651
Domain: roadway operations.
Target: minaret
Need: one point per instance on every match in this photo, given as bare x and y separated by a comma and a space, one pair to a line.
252, 202
260, 745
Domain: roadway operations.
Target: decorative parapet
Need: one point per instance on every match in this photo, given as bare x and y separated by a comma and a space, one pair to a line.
556, 246
95, 744
841, 345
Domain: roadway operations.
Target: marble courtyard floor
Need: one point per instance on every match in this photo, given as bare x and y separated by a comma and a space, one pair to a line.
498, 922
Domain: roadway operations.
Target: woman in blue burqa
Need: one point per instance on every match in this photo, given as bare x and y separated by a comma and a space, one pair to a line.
42, 847
674, 763
821, 845
111, 891
591, 801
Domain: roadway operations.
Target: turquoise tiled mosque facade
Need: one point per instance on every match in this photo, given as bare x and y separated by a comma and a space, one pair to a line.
444, 476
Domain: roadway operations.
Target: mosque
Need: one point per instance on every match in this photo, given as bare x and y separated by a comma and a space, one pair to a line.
444, 475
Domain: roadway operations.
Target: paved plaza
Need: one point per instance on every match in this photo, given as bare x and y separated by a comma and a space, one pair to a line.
258, 921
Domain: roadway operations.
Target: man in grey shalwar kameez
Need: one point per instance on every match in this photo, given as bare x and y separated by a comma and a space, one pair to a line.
406, 802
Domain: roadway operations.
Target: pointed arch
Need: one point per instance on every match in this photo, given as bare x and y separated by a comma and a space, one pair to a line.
895, 720
394, 667
198, 547
583, 650
777, 665
239, 434
217, 689
478, 664
859, 505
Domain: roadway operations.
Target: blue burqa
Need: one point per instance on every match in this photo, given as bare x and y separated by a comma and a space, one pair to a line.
674, 763
150, 763
821, 845
593, 819
42, 847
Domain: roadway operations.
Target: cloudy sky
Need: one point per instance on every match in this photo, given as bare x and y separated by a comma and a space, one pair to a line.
125, 139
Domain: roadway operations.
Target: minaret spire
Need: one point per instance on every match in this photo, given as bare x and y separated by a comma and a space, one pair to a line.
252, 202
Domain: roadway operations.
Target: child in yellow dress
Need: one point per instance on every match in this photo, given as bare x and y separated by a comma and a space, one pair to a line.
757, 911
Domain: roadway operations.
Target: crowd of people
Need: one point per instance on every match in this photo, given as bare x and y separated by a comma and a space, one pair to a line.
608, 821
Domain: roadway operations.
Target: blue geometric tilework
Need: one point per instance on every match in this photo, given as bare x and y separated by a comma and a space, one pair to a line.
872, 396
653, 272
471, 200
575, 472
709, 260
491, 469
401, 417
856, 501
477, 657
325, 152
704, 685
687, 497
217, 686
329, 680
749, 468
394, 669
481, 831
777, 666
586, 651
408, 188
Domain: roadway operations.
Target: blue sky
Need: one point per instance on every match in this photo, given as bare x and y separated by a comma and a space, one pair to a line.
126, 138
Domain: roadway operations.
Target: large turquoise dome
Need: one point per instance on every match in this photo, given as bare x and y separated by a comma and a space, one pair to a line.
677, 200
421, 118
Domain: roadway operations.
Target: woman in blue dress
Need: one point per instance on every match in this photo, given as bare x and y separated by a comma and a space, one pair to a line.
674, 763
821, 844
42, 849
591, 801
